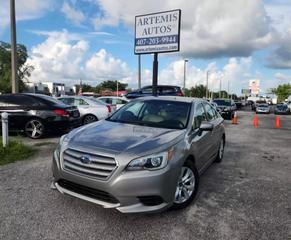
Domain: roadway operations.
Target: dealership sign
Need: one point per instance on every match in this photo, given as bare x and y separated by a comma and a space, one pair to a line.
157, 32
254, 86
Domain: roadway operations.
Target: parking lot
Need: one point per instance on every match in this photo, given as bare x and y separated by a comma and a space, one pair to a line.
247, 196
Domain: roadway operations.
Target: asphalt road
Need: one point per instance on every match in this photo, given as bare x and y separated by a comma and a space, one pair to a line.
247, 196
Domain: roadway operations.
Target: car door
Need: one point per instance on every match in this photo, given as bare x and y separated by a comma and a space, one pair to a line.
200, 141
18, 107
216, 121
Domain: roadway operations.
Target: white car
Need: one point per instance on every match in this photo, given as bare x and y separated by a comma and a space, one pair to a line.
115, 101
90, 109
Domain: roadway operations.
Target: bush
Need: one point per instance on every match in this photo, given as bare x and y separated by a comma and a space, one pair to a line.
15, 151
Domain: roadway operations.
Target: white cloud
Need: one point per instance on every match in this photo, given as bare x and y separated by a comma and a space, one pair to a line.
25, 10
209, 28
236, 72
62, 57
281, 56
75, 16
104, 66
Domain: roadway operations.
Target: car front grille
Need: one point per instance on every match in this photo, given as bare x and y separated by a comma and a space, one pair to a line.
87, 191
87, 164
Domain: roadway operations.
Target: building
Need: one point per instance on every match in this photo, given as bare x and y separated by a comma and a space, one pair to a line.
50, 88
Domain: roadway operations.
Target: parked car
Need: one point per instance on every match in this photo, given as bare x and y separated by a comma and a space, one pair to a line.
256, 103
91, 109
238, 104
146, 157
227, 107
215, 106
36, 114
282, 108
162, 90
263, 108
118, 102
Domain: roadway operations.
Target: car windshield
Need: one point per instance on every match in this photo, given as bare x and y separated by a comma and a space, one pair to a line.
221, 102
263, 105
154, 113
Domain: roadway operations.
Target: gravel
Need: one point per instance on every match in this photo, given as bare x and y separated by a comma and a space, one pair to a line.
247, 196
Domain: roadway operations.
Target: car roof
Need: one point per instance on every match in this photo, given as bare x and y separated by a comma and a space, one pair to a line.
162, 86
172, 98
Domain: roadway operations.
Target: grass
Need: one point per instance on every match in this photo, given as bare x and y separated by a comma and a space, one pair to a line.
15, 151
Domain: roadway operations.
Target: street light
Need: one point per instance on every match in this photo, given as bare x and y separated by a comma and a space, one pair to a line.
221, 76
184, 84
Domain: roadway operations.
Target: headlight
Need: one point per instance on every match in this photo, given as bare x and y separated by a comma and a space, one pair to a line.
151, 162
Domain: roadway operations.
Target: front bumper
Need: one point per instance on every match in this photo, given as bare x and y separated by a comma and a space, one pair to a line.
262, 111
127, 187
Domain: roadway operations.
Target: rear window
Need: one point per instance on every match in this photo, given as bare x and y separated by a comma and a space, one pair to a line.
169, 89
221, 102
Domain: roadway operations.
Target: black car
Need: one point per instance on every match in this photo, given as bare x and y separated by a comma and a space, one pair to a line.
282, 109
162, 90
37, 114
227, 108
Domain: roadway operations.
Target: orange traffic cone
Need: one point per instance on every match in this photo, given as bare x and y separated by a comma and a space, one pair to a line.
256, 121
278, 122
234, 119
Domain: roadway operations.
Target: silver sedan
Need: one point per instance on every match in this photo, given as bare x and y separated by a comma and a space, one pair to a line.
90, 109
146, 157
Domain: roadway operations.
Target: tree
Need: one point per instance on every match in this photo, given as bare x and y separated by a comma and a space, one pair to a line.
23, 70
283, 91
198, 91
85, 88
112, 85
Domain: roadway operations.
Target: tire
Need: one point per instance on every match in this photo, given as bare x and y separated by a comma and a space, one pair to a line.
191, 182
89, 119
34, 128
220, 152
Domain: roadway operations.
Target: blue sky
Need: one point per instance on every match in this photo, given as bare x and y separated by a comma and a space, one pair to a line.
93, 39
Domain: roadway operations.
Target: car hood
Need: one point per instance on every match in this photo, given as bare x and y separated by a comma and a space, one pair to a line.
113, 137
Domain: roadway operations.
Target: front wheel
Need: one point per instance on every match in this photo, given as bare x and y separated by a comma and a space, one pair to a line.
187, 186
220, 152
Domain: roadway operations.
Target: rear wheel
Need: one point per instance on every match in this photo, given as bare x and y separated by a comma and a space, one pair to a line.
89, 119
34, 128
187, 186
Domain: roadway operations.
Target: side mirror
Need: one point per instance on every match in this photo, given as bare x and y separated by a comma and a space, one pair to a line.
206, 127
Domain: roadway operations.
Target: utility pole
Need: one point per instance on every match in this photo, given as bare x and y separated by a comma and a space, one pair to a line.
184, 82
117, 88
228, 95
207, 73
14, 79
139, 71
155, 74
220, 85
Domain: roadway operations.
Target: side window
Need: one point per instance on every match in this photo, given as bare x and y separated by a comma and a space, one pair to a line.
199, 116
210, 112
147, 90
80, 102
67, 101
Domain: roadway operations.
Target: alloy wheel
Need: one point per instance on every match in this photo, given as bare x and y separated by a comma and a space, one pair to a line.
89, 119
34, 129
185, 186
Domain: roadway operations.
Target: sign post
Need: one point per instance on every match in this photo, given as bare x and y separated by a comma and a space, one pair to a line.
157, 33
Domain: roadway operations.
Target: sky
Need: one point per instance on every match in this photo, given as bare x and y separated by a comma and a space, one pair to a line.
93, 40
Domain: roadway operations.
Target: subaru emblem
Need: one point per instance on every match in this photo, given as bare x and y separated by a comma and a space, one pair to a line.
85, 159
